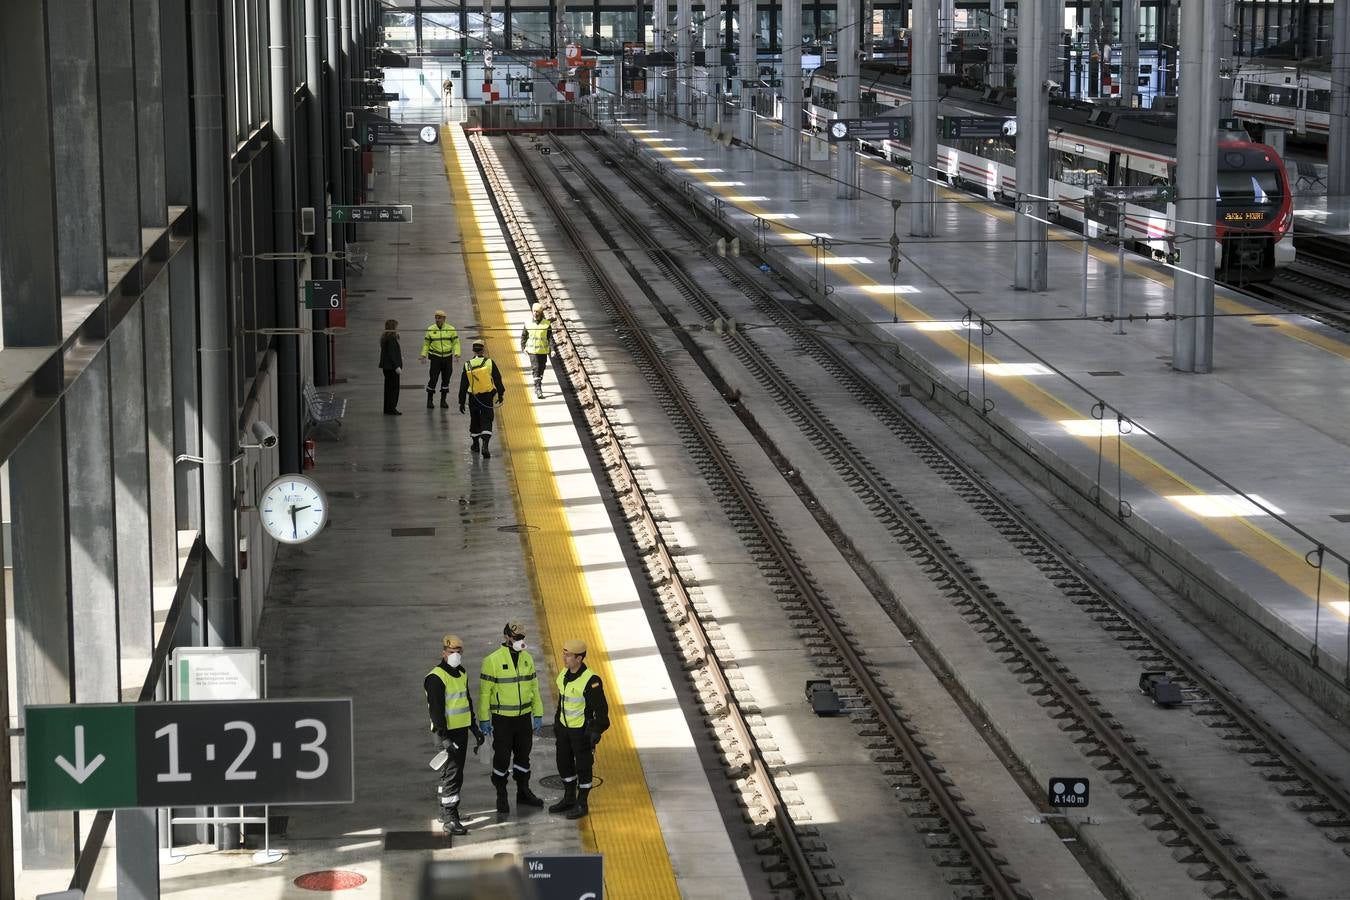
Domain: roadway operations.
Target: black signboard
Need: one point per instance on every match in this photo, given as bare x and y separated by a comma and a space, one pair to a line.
115, 756
324, 294
566, 877
386, 95
895, 128
978, 126
372, 213
1068, 792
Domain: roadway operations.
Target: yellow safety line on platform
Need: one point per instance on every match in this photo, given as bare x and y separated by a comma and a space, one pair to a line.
623, 823
1288, 564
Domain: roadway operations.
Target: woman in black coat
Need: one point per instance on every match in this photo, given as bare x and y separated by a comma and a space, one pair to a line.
391, 362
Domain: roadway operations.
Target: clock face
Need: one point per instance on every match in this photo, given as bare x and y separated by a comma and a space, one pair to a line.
293, 509
839, 129
428, 134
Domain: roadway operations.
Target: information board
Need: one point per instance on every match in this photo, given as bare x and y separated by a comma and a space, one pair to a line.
217, 673
116, 756
1068, 792
372, 213
580, 877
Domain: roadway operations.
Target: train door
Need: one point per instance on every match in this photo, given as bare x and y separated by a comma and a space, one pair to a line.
1115, 173
1301, 113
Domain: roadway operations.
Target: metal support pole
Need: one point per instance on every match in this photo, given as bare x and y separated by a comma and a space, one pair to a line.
1120, 268
7, 797
684, 50
1228, 63
923, 111
1055, 43
284, 235
1338, 137
946, 34
213, 286
846, 41
1085, 269
1033, 151
1129, 51
660, 28
317, 199
1197, 174
712, 63
997, 71
792, 82
337, 142
747, 69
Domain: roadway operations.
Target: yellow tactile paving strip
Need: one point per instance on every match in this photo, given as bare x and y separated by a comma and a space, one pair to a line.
623, 826
1284, 561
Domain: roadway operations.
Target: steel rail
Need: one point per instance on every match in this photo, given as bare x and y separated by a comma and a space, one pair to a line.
980, 853
1177, 809
756, 768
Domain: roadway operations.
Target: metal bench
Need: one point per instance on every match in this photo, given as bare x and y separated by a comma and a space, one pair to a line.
1308, 172
324, 409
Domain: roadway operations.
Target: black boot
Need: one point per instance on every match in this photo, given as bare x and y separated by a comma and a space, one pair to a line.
445, 400
431, 403
569, 798
473, 448
502, 805
525, 796
486, 452
580, 809
450, 821
539, 389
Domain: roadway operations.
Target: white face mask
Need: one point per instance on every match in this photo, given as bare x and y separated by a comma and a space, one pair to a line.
518, 645
454, 659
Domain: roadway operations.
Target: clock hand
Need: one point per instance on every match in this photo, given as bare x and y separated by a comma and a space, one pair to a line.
295, 528
298, 508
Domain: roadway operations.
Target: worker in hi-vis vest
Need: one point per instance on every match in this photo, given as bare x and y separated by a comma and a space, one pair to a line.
478, 384
512, 712
583, 715
440, 345
452, 721
536, 339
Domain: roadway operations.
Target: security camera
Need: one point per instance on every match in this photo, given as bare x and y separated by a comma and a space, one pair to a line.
263, 434
1009, 127
1051, 85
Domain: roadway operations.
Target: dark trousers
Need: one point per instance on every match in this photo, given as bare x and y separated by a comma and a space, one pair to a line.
538, 361
390, 390
481, 414
576, 756
441, 367
452, 773
512, 740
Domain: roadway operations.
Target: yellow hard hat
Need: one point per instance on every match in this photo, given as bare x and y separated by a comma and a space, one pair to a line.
537, 309
439, 312
514, 627
452, 640
574, 646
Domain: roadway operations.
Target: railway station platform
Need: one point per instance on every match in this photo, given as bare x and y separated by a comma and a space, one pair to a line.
1230, 483
426, 539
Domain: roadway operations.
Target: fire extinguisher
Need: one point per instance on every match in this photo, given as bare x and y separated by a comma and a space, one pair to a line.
308, 462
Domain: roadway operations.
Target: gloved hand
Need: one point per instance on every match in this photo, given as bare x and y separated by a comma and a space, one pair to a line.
461, 412
595, 739
487, 729
445, 741
538, 723
478, 738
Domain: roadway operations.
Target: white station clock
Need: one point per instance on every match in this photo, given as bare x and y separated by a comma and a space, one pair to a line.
293, 508
839, 129
428, 134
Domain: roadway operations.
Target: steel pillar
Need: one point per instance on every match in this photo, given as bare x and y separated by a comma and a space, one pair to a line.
1338, 137
1129, 51
219, 433
318, 243
338, 135
1228, 62
150, 149
946, 34
712, 64
284, 233
923, 83
846, 41
1197, 176
660, 30
684, 58
997, 70
792, 81
1033, 152
747, 68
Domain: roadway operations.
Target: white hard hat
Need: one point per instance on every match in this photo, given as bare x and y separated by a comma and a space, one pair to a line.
537, 309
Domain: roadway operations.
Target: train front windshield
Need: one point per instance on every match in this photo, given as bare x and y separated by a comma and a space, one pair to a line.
1249, 187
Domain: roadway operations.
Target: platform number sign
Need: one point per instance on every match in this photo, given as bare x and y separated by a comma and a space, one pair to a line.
325, 294
114, 756
1071, 793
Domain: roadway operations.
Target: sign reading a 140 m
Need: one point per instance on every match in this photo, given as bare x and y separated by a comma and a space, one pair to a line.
115, 756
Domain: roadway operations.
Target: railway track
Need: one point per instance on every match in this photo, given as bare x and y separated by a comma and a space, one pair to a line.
964, 843
1156, 793
1316, 285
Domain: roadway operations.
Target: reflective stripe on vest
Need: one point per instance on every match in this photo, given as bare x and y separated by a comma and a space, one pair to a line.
457, 714
513, 693
480, 376
440, 341
537, 341
573, 698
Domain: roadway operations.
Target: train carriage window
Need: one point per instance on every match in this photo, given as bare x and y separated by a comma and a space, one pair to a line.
1319, 101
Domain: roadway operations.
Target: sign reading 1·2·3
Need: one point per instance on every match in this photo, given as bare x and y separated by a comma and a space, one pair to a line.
113, 756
